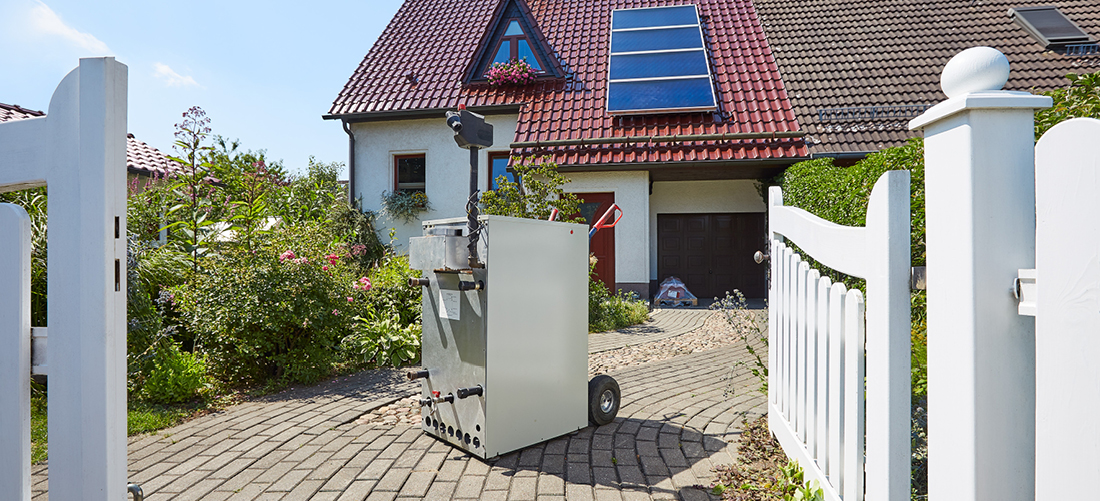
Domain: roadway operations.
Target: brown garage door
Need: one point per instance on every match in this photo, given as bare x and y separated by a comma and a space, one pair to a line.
712, 253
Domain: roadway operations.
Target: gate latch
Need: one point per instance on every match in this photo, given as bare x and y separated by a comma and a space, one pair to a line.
1023, 289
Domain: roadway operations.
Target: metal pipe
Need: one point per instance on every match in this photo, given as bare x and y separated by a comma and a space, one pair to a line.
135, 489
351, 163
661, 139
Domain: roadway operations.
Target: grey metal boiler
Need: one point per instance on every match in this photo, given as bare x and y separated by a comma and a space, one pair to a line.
505, 335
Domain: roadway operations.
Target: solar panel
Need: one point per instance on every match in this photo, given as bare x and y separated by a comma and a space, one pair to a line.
658, 63
1049, 25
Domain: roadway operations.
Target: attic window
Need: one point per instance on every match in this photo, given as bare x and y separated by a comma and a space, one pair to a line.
514, 45
513, 34
1049, 26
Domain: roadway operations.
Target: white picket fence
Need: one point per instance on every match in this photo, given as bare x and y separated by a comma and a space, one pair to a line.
817, 337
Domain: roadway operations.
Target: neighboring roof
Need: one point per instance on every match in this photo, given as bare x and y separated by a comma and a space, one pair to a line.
140, 157
423, 39
889, 54
10, 112
144, 159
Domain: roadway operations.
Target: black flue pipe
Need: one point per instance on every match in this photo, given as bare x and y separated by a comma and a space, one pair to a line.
472, 227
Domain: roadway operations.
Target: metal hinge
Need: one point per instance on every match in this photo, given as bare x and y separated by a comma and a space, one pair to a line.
1024, 290
918, 278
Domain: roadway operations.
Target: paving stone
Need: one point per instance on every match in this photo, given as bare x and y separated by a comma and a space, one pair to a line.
469, 486
357, 490
305, 490
289, 481
442, 491
523, 488
550, 485
375, 470
673, 426
578, 473
393, 479
417, 484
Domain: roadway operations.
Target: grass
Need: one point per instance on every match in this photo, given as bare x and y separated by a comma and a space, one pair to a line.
141, 418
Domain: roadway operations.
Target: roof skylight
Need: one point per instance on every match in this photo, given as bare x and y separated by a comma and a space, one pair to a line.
658, 63
1049, 26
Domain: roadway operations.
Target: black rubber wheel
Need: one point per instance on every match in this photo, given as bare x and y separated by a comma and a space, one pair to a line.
603, 400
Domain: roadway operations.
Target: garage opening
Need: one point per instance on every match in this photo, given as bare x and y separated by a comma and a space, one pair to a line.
712, 253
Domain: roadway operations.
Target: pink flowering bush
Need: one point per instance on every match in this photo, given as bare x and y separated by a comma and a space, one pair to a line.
514, 72
283, 312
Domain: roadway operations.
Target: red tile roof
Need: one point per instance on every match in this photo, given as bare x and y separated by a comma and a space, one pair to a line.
15, 112
423, 38
140, 157
863, 53
144, 159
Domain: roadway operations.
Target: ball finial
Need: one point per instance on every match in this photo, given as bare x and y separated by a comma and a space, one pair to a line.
974, 70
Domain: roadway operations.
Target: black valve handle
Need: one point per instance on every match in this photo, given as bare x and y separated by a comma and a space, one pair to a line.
469, 392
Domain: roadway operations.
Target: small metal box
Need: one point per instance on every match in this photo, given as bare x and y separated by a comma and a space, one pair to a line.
517, 329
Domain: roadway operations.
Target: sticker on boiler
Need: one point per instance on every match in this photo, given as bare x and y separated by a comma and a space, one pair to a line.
449, 304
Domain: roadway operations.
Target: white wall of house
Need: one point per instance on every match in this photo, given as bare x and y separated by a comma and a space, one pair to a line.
447, 167
632, 236
693, 197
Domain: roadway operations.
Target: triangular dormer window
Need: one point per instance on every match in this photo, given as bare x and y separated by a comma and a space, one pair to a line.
511, 36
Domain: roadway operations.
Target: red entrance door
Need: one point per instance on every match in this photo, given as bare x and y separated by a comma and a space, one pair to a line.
593, 205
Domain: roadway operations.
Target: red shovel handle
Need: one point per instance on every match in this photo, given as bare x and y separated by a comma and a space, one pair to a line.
602, 223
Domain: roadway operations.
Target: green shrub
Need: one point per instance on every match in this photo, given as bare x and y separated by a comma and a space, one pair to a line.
277, 312
177, 376
608, 311
382, 340
1081, 98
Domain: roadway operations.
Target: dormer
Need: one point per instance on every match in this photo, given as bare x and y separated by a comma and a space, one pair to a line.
513, 34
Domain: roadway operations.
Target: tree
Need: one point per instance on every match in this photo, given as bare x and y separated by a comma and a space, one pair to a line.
538, 192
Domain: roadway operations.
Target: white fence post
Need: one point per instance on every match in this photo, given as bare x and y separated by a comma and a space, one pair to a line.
79, 150
979, 154
15, 353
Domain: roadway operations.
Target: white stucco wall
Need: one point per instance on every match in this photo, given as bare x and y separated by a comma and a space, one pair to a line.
447, 167
632, 236
696, 197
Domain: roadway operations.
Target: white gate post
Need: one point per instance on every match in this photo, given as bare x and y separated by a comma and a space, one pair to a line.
15, 353
980, 199
79, 151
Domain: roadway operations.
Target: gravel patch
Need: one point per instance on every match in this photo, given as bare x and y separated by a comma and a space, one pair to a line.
715, 332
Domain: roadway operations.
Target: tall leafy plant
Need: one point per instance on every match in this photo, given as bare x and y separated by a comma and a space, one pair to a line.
192, 187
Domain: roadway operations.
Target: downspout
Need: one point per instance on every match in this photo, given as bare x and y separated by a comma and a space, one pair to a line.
351, 164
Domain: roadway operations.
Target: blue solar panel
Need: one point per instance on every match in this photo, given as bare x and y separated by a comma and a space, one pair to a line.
658, 62
648, 18
656, 95
660, 39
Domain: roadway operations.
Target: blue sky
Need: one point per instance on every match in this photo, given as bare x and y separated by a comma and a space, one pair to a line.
264, 72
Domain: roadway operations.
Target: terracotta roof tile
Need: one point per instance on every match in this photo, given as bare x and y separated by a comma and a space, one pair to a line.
751, 94
853, 53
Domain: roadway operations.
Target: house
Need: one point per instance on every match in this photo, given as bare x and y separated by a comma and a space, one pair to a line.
857, 71
143, 162
670, 109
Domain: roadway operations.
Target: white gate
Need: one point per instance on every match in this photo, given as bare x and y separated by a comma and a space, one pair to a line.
78, 150
817, 356
1066, 308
